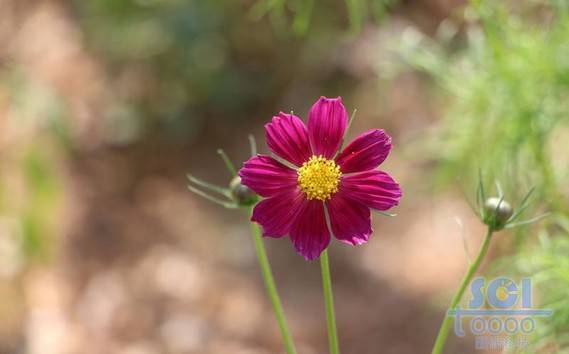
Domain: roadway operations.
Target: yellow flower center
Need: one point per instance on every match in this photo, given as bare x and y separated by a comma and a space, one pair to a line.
318, 178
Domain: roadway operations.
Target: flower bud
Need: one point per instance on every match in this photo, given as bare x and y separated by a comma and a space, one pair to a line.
242, 194
497, 212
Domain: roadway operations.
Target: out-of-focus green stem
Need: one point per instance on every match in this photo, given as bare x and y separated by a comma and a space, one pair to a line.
445, 326
329, 304
272, 288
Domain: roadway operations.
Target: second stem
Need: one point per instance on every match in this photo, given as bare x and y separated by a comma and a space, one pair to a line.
329, 303
445, 326
272, 288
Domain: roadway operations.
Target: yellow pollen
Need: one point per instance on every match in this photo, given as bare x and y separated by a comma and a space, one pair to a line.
318, 178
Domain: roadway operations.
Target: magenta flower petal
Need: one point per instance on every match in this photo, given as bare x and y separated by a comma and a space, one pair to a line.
350, 220
277, 214
309, 233
366, 152
327, 122
287, 137
266, 176
375, 189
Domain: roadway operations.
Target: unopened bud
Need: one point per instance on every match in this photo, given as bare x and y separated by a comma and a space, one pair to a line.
497, 212
242, 194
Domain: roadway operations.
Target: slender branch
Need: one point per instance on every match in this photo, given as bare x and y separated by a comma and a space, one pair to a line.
445, 326
329, 304
272, 288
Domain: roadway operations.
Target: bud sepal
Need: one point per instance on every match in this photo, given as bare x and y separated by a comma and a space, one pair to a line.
236, 195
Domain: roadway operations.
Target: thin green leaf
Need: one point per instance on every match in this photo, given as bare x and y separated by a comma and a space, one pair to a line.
500, 201
284, 162
209, 186
523, 206
482, 190
253, 145
228, 163
480, 195
469, 202
464, 243
346, 132
527, 222
517, 213
352, 117
226, 204
492, 218
499, 189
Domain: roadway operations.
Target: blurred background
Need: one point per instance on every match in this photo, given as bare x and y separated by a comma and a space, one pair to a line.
106, 105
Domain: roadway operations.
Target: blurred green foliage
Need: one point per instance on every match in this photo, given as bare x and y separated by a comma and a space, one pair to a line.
176, 65
302, 11
43, 193
182, 62
32, 206
505, 79
548, 266
31, 186
506, 96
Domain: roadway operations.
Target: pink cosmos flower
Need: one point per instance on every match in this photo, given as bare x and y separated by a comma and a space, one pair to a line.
342, 185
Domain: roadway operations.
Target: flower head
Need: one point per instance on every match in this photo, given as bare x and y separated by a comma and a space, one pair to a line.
320, 184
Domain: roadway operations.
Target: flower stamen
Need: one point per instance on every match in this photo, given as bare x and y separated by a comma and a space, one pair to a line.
318, 178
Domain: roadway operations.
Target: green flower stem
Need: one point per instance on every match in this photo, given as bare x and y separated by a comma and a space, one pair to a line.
445, 326
329, 303
272, 288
